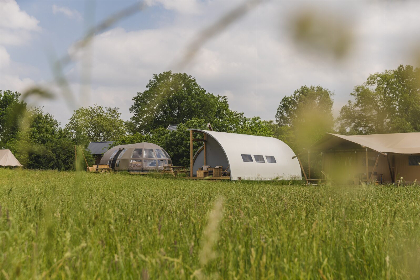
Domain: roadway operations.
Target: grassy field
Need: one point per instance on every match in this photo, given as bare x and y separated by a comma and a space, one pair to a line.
67, 225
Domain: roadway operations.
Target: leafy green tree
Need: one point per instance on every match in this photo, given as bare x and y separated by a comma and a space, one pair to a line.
42, 144
178, 99
11, 113
304, 117
177, 143
387, 102
174, 98
94, 124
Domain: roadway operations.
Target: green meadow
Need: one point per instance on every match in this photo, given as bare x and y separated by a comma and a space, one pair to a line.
75, 225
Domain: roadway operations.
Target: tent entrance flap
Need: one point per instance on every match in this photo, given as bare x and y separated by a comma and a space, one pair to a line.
208, 158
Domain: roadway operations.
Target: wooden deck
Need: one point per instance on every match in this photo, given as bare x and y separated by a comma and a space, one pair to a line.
209, 178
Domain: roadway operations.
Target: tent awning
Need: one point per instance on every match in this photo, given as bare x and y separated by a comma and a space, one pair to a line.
398, 143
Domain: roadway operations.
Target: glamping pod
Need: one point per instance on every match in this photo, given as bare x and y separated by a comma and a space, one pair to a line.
139, 157
246, 157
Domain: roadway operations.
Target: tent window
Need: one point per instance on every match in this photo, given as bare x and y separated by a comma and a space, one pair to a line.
148, 153
247, 158
149, 162
163, 162
160, 154
414, 160
270, 159
259, 158
136, 163
137, 153
166, 154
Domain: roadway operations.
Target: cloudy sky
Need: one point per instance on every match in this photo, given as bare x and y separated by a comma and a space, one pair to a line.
255, 61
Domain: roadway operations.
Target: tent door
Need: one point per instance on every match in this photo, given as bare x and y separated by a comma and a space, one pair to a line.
114, 160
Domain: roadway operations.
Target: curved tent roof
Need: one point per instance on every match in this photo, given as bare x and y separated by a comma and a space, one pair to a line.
398, 143
274, 157
8, 159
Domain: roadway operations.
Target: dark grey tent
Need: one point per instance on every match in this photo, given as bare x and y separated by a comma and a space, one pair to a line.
97, 149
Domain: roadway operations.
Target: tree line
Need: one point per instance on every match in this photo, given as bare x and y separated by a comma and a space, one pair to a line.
387, 102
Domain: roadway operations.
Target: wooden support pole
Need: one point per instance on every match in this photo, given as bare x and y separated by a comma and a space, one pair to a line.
374, 167
390, 169
367, 166
309, 165
205, 149
303, 170
395, 170
191, 153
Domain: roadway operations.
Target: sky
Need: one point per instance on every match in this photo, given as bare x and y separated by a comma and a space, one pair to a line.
255, 61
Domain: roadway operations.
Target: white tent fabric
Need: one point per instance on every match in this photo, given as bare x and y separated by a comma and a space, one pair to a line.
233, 145
8, 159
398, 143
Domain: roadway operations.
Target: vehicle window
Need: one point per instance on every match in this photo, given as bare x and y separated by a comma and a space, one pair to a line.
159, 153
148, 153
137, 153
246, 158
259, 158
270, 159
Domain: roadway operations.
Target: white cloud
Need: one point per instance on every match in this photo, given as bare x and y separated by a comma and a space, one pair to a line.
15, 83
71, 14
4, 57
254, 62
15, 25
15, 29
11, 17
181, 6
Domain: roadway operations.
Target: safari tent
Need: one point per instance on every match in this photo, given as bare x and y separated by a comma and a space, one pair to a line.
8, 159
383, 158
139, 157
243, 156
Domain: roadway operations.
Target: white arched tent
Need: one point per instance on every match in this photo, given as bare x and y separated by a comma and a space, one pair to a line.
244, 156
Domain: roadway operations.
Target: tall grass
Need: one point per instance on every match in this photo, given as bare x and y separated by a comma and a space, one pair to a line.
59, 225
